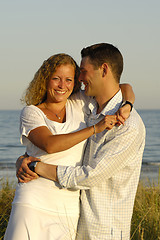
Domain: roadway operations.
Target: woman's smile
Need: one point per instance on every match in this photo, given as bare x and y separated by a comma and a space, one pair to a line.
61, 84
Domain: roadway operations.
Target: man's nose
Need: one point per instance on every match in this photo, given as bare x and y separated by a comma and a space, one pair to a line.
80, 78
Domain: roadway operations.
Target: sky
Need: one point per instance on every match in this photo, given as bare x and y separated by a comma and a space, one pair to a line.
33, 30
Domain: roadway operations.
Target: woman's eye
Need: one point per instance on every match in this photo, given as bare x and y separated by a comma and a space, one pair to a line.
55, 78
69, 80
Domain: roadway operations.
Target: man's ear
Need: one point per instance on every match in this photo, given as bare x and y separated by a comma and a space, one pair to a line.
104, 69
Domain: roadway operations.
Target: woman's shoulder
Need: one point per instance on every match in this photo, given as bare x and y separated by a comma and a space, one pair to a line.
80, 101
80, 96
31, 110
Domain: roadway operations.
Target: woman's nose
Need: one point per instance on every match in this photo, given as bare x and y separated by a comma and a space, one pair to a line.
61, 84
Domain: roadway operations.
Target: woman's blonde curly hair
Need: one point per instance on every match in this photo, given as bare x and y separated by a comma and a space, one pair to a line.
36, 93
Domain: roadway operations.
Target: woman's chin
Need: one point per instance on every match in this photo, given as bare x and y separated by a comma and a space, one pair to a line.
59, 100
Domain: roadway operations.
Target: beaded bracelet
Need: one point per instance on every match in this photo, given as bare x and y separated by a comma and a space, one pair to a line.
94, 130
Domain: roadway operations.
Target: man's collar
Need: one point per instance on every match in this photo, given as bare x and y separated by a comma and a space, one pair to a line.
111, 107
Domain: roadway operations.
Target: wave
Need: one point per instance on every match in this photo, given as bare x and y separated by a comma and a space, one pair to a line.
151, 163
10, 145
8, 165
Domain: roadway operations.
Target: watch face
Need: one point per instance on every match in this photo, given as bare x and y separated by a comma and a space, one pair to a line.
32, 166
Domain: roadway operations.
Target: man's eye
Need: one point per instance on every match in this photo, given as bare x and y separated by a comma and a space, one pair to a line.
83, 71
69, 80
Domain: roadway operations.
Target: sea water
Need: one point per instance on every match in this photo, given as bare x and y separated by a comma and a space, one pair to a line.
11, 148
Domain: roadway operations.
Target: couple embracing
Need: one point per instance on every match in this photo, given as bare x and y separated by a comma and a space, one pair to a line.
79, 176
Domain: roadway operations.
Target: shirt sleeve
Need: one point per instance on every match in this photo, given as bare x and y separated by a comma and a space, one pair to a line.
31, 117
114, 155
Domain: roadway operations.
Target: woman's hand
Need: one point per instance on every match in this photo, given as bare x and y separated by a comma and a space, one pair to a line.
108, 122
123, 113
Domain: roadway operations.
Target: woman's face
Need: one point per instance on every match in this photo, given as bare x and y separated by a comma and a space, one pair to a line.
61, 84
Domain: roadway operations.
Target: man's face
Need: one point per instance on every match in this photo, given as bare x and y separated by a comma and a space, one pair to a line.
90, 77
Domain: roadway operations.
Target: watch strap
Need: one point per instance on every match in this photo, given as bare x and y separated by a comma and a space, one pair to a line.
128, 102
32, 166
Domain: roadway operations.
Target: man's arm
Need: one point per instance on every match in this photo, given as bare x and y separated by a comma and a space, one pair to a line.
24, 174
112, 157
47, 171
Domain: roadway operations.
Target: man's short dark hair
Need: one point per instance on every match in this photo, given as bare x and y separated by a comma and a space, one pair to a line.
105, 53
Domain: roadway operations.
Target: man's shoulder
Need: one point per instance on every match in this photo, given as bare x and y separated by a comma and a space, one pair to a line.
134, 123
134, 119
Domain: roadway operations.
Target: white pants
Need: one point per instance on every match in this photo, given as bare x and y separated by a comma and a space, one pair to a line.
27, 223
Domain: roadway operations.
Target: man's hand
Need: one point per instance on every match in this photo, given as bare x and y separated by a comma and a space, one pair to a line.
23, 173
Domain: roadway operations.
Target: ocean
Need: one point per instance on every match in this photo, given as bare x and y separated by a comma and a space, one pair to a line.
11, 149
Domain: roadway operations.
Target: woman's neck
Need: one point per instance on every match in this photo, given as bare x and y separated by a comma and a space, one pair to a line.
54, 111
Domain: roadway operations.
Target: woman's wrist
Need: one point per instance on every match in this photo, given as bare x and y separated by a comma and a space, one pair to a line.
128, 103
94, 127
92, 130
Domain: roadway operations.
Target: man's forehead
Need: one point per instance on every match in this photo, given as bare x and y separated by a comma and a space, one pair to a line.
85, 62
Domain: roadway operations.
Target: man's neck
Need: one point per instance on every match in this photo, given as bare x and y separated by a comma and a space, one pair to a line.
105, 97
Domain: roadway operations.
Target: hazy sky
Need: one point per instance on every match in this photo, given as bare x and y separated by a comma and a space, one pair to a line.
33, 30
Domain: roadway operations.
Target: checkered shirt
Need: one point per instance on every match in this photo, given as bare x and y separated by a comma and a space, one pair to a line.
109, 176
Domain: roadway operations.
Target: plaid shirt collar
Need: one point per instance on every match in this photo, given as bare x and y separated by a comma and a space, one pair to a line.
111, 107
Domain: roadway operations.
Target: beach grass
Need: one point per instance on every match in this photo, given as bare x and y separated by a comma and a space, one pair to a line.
146, 215
7, 191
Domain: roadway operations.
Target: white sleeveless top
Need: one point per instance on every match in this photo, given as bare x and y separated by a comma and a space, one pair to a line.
43, 193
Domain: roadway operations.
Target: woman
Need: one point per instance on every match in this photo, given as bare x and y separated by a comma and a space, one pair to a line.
41, 209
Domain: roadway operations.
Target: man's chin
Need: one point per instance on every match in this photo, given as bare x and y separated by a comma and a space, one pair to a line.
87, 92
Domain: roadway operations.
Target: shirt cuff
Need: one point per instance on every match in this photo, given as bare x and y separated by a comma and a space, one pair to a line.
63, 174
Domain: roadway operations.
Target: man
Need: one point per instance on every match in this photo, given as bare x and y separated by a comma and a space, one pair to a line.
112, 162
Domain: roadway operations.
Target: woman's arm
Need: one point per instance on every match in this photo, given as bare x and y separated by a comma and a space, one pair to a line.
127, 92
128, 95
45, 140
